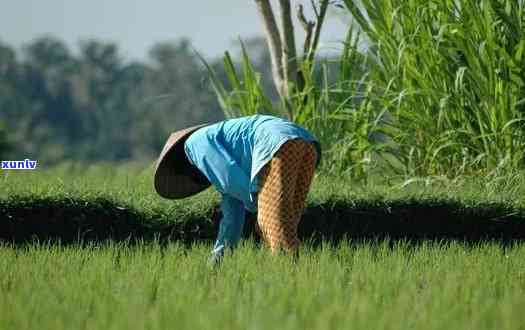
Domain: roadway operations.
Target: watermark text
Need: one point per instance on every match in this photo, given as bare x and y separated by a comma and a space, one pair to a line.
26, 164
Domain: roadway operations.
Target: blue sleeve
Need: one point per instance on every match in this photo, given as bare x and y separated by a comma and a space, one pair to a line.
231, 226
221, 169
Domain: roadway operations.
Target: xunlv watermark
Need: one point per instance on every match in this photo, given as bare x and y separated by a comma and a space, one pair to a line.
26, 164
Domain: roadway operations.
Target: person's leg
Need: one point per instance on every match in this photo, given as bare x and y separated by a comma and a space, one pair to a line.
306, 160
304, 178
276, 217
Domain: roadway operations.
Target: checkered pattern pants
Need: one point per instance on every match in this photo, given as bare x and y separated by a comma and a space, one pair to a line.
284, 184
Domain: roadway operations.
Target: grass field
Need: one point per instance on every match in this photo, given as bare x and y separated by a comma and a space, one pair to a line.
460, 264
364, 286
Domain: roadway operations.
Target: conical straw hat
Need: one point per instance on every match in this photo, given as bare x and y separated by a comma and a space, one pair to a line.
174, 175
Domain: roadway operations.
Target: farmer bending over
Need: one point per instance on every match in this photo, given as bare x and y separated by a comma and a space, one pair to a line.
257, 162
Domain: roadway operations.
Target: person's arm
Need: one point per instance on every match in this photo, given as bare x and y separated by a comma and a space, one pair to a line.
231, 226
221, 169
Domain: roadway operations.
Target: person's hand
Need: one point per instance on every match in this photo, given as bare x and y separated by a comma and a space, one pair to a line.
215, 259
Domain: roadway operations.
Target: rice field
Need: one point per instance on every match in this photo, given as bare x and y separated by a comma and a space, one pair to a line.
362, 286
437, 241
145, 281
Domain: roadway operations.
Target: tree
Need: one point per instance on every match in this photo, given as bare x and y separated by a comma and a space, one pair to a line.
178, 77
48, 120
10, 100
94, 106
4, 146
288, 71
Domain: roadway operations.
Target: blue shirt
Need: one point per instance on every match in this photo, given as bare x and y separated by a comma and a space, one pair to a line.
230, 154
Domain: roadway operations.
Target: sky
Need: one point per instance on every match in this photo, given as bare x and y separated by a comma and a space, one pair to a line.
135, 25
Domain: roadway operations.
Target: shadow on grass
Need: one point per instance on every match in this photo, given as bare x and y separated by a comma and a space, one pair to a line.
73, 221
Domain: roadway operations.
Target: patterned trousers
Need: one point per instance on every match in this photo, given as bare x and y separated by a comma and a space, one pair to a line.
284, 184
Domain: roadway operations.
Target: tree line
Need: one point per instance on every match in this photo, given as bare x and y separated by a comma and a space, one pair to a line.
92, 105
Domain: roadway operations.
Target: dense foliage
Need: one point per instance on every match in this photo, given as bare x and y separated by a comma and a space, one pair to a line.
439, 90
452, 76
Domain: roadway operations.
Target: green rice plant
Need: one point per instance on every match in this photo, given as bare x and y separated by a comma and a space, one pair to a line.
370, 285
452, 76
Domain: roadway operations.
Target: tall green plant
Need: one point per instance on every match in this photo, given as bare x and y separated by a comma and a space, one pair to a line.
245, 95
452, 74
340, 113
343, 113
